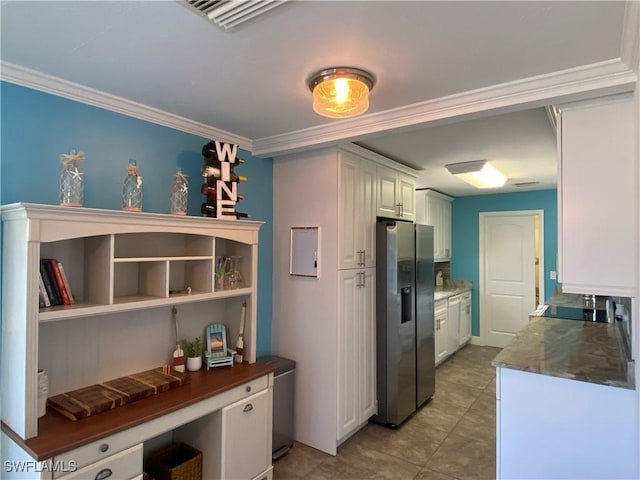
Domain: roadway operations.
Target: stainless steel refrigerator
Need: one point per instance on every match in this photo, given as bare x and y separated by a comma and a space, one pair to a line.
404, 319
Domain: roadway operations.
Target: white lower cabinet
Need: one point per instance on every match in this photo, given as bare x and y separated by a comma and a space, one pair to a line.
552, 427
465, 318
126, 464
235, 440
441, 312
356, 350
246, 438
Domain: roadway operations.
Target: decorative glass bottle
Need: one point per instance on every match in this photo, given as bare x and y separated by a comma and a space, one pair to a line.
179, 194
132, 189
71, 182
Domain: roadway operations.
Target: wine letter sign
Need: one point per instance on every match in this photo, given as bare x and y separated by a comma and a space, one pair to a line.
221, 182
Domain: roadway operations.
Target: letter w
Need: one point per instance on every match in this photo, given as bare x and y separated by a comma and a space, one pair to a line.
226, 149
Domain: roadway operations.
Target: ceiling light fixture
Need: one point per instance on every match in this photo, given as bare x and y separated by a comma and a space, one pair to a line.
479, 173
341, 92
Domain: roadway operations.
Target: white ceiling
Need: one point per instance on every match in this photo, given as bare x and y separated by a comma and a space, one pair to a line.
252, 82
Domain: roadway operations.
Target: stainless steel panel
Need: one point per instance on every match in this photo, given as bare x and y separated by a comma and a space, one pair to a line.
425, 340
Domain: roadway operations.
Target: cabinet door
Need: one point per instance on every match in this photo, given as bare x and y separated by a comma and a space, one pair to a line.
367, 345
596, 198
453, 320
348, 365
349, 255
246, 436
465, 319
388, 196
438, 213
446, 230
407, 191
357, 212
356, 349
366, 222
440, 317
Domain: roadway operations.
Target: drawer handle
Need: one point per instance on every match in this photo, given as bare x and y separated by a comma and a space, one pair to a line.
104, 473
248, 407
104, 447
248, 389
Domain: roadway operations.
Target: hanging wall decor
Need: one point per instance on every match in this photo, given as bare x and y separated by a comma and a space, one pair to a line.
220, 185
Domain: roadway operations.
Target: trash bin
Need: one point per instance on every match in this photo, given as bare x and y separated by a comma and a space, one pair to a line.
283, 386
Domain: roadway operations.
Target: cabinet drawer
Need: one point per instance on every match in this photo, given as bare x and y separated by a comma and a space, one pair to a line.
120, 466
96, 451
250, 388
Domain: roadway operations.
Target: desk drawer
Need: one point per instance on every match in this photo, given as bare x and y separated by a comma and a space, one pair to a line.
96, 451
120, 466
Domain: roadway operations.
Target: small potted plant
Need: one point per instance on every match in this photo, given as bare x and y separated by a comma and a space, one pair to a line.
193, 351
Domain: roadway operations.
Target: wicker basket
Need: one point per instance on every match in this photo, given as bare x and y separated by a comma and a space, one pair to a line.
178, 461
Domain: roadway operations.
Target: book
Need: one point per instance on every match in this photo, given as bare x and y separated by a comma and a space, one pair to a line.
59, 282
49, 283
67, 285
42, 293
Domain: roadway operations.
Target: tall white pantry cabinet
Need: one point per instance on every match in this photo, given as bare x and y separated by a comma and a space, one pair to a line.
327, 324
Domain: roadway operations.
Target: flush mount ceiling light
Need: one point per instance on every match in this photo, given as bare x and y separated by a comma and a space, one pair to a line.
341, 92
478, 173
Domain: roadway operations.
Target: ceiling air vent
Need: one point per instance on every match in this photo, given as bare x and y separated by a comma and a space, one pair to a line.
228, 14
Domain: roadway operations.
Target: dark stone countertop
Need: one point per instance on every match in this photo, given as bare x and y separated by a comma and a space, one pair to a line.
573, 349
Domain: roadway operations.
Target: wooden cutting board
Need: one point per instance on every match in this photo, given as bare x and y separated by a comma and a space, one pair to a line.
99, 398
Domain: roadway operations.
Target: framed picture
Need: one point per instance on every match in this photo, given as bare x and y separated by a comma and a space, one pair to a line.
216, 340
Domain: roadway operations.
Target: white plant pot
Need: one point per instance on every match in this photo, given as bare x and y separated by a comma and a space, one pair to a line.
194, 363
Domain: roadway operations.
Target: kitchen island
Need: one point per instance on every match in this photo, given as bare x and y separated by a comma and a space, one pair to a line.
565, 402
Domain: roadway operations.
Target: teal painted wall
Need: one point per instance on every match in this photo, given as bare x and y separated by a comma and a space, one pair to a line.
37, 127
465, 235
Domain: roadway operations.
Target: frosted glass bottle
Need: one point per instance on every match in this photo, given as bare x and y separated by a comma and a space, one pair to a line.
132, 189
71, 181
179, 194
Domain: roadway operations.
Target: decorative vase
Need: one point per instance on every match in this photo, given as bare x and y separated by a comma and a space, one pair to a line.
194, 363
71, 182
132, 189
179, 194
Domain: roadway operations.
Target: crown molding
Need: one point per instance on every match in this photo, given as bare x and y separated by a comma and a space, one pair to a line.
602, 78
27, 77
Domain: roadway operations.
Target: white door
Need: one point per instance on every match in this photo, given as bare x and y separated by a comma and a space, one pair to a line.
507, 273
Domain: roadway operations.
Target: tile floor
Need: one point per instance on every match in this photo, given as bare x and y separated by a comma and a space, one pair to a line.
451, 438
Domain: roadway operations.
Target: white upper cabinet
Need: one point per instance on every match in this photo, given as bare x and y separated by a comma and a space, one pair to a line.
434, 208
597, 211
356, 211
396, 194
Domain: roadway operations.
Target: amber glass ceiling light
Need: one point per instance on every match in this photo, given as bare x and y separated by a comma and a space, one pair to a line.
341, 92
478, 173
